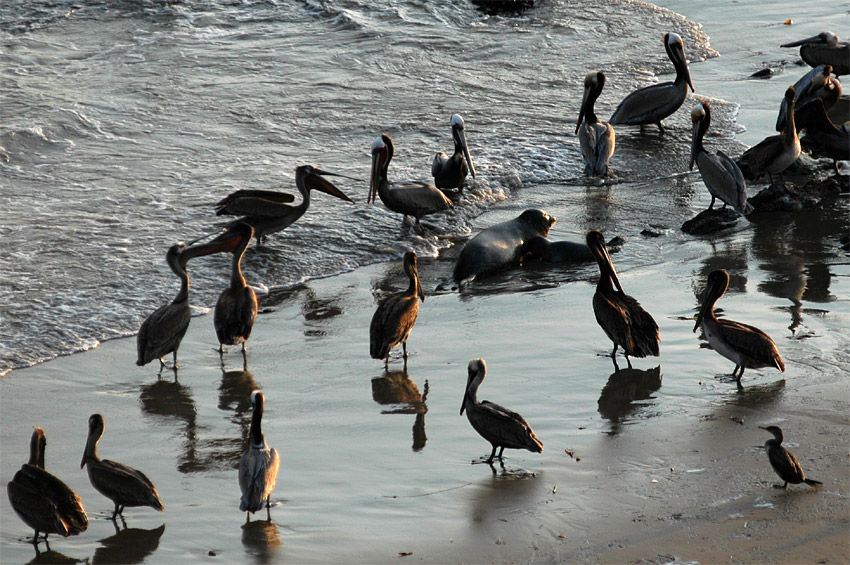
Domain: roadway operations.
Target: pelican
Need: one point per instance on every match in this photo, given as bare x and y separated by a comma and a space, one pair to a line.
596, 138
450, 172
498, 425
824, 49
395, 316
783, 461
258, 467
823, 137
651, 104
722, 177
621, 317
121, 484
415, 199
268, 211
236, 308
817, 84
776, 153
43, 502
747, 346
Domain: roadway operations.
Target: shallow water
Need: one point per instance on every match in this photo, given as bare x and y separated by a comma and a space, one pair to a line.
378, 464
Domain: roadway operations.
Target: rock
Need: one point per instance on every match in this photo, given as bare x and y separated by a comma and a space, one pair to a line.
711, 221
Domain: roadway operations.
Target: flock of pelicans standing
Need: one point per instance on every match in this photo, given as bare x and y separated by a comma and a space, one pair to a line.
48, 505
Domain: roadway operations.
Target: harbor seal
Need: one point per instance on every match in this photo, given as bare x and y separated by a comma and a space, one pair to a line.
499, 247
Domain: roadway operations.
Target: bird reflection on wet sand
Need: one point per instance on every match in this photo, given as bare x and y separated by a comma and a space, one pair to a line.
128, 545
167, 400
261, 541
396, 388
621, 394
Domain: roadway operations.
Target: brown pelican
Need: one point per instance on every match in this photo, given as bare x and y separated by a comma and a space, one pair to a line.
651, 104
824, 49
43, 502
258, 467
498, 425
720, 174
597, 138
236, 308
415, 199
822, 136
784, 462
268, 211
395, 316
121, 484
776, 153
817, 84
621, 317
450, 172
747, 346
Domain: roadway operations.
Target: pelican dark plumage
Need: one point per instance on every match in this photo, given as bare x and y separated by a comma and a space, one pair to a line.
746, 346
817, 84
451, 172
415, 199
824, 49
123, 485
236, 308
45, 503
776, 153
597, 139
619, 315
259, 465
269, 211
823, 137
783, 461
720, 174
498, 425
651, 104
393, 320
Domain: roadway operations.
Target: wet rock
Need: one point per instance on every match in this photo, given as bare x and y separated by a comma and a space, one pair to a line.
654, 231
764, 73
711, 221
503, 7
812, 193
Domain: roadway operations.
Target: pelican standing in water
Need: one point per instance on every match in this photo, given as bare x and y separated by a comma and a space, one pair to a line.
824, 49
746, 346
776, 153
258, 467
451, 172
236, 308
415, 199
268, 211
44, 502
621, 317
498, 425
123, 485
596, 138
651, 104
395, 316
720, 174
783, 461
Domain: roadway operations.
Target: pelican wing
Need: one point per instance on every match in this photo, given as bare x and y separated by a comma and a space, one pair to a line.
419, 198
391, 324
162, 332
752, 342
503, 427
597, 146
124, 484
36, 509
643, 327
257, 477
723, 179
261, 203
235, 313
650, 104
756, 159
440, 161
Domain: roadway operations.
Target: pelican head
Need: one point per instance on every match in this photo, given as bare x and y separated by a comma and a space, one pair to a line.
460, 141
257, 399
476, 371
308, 177
596, 242
382, 153
718, 282
594, 82
824, 37
701, 117
96, 428
676, 51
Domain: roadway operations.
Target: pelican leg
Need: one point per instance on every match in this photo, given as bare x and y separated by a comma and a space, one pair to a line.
661, 127
740, 374
492, 455
500, 452
724, 205
175, 358
116, 512
711, 205
404, 349
247, 517
628, 361
161, 364
614, 352
387, 363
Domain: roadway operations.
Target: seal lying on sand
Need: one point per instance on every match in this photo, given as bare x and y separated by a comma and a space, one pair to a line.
499, 247
547, 251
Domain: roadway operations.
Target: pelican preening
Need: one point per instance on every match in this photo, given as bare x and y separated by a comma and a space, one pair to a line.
393, 320
451, 172
258, 466
776, 153
651, 104
720, 174
43, 502
236, 308
824, 49
415, 199
123, 485
621, 317
817, 84
268, 211
597, 139
746, 346
498, 425
783, 461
